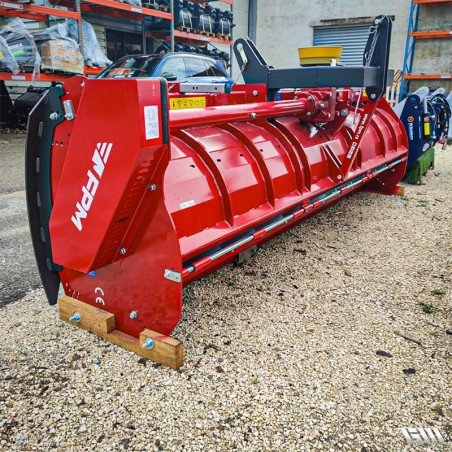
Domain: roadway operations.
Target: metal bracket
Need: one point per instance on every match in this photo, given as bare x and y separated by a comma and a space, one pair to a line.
202, 88
68, 110
173, 275
372, 75
242, 55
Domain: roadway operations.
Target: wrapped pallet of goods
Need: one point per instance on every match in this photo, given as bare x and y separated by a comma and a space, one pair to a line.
92, 53
7, 60
59, 52
60, 55
21, 46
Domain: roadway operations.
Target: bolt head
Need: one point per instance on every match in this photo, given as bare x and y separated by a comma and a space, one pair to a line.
53, 116
76, 317
255, 93
308, 113
152, 187
122, 251
133, 315
253, 115
148, 343
344, 112
373, 96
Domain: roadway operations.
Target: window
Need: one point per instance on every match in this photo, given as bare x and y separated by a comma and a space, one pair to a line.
214, 70
120, 44
196, 67
175, 66
134, 66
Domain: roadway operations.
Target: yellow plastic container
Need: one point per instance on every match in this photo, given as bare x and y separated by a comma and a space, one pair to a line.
319, 55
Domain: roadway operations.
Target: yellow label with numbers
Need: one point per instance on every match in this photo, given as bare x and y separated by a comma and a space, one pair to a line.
426, 128
179, 103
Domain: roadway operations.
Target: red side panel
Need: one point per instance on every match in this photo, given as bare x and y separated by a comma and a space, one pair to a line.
114, 168
111, 158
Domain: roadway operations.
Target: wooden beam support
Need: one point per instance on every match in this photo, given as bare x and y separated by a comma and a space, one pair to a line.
159, 348
166, 350
399, 190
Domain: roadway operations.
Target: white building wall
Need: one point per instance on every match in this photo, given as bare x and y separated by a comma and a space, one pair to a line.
285, 25
240, 10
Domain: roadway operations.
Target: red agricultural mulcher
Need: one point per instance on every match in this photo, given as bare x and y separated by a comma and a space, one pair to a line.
135, 189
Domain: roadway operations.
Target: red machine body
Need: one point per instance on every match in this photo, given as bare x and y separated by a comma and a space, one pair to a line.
147, 199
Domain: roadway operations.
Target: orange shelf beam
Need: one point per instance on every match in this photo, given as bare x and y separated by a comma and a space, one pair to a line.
130, 8
191, 38
93, 70
428, 76
228, 2
27, 77
432, 34
36, 12
114, 8
201, 38
433, 2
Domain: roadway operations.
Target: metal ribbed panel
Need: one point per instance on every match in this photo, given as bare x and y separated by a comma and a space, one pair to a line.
352, 39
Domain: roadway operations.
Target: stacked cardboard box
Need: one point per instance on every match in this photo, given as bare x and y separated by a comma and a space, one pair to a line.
62, 56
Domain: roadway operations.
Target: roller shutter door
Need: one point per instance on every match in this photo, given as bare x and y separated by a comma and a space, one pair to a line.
353, 40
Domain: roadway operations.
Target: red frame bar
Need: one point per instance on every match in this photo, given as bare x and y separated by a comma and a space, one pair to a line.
358, 136
192, 117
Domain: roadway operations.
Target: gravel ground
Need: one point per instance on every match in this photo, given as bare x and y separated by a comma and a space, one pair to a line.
280, 354
18, 273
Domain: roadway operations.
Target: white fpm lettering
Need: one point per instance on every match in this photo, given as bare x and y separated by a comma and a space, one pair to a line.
100, 157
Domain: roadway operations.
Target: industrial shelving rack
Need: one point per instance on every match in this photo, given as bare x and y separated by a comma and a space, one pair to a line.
110, 8
413, 34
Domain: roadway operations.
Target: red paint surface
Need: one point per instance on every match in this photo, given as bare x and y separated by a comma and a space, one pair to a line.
228, 169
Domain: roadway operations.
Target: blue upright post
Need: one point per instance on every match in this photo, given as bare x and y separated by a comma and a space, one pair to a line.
409, 49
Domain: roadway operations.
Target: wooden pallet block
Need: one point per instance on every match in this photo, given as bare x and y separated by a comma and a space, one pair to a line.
165, 9
205, 33
399, 190
185, 29
166, 350
224, 37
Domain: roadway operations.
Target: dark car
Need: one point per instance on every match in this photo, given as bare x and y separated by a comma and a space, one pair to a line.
180, 67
